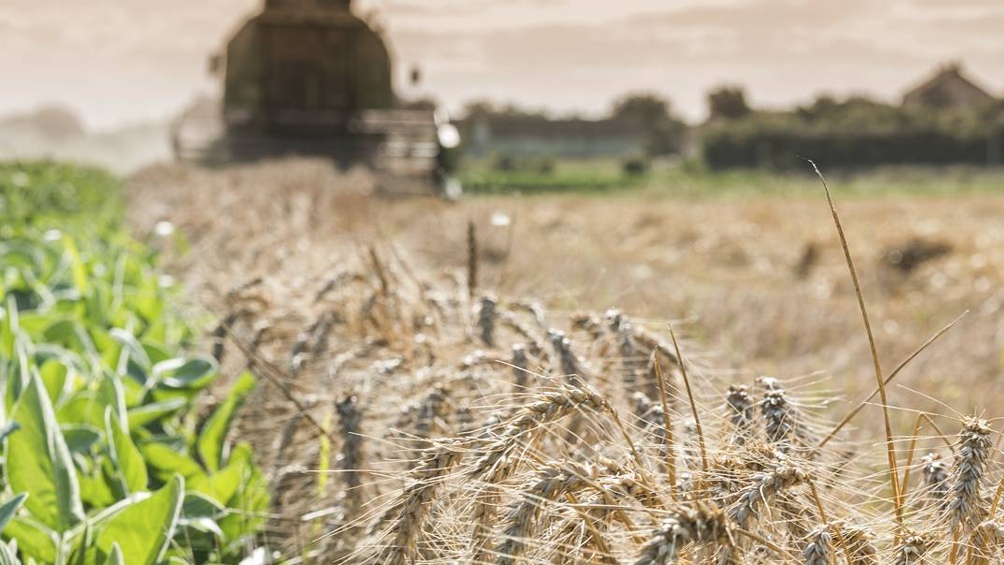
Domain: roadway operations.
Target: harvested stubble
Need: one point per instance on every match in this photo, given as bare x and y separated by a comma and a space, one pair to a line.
583, 457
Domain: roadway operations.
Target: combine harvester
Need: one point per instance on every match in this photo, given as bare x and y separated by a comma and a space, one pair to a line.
310, 78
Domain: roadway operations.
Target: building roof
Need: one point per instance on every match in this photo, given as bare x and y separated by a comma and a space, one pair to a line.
949, 85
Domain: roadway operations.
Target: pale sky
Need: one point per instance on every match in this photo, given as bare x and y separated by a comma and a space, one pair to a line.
122, 61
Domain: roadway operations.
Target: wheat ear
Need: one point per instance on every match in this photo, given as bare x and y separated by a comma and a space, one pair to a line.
690, 525
410, 512
965, 506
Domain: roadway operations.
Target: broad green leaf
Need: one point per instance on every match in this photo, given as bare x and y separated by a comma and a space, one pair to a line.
197, 504
154, 412
34, 540
118, 284
112, 396
186, 373
8, 392
20, 372
144, 529
115, 557
135, 393
99, 300
232, 483
199, 523
155, 353
95, 492
157, 332
33, 323
168, 462
88, 347
54, 376
9, 328
77, 267
9, 508
43, 467
202, 524
251, 500
148, 301
85, 407
80, 438
132, 350
214, 433
63, 332
108, 349
222, 485
128, 462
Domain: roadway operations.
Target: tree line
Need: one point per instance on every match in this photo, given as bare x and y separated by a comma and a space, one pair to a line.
852, 132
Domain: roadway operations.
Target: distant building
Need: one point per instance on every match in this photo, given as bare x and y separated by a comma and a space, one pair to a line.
948, 89
574, 138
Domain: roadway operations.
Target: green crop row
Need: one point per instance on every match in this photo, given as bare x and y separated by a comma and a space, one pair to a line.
104, 457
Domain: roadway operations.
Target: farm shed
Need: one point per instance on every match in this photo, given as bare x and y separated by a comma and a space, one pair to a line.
948, 89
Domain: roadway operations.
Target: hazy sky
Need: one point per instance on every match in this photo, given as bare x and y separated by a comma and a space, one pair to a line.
132, 60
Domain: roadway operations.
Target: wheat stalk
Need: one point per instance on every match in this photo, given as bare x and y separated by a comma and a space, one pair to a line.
497, 462
818, 551
858, 542
912, 549
765, 486
351, 456
740, 410
935, 477
486, 319
965, 506
521, 521
692, 525
988, 538
407, 516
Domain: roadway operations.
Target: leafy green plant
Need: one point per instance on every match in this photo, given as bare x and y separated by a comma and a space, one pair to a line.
98, 396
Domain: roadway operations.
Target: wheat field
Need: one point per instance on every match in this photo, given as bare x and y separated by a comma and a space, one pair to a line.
495, 381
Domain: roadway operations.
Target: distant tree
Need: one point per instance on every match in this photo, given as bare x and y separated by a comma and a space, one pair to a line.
478, 108
665, 132
486, 108
727, 103
514, 110
643, 106
823, 106
853, 113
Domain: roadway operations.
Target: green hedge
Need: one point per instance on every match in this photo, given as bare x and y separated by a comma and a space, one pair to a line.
783, 150
855, 134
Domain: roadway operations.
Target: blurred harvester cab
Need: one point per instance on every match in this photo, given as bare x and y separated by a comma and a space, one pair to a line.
311, 78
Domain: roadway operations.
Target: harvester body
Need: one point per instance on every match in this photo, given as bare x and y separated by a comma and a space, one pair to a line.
309, 77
